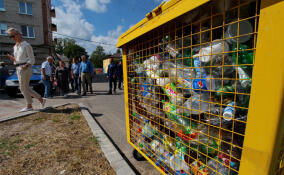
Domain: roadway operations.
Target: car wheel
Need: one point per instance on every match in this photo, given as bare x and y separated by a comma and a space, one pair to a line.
11, 93
138, 156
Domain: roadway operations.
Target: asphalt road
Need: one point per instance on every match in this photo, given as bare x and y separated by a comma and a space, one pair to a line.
108, 110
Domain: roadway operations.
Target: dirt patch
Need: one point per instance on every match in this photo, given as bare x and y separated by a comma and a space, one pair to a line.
58, 141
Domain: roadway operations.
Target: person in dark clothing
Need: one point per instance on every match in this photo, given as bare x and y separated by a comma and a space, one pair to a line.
4, 74
112, 75
62, 77
119, 74
71, 80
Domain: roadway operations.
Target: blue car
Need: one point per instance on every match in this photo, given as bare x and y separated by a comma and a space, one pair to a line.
12, 82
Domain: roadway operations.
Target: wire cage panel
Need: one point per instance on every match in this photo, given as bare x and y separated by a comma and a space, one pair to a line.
189, 88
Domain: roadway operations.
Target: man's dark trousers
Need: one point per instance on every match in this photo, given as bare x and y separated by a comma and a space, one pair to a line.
77, 81
110, 81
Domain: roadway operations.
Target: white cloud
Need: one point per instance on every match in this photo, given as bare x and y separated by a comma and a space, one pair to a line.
111, 38
99, 6
160, 1
70, 21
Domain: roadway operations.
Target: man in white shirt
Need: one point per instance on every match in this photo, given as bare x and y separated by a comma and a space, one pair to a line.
46, 75
24, 59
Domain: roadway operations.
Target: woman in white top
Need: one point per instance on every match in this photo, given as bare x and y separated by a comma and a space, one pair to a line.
24, 59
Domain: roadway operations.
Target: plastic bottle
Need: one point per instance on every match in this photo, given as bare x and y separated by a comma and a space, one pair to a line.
178, 164
212, 50
153, 63
171, 91
203, 83
244, 57
221, 164
148, 130
245, 82
229, 111
198, 104
228, 88
200, 72
197, 168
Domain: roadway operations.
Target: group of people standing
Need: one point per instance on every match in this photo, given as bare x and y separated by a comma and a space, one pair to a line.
79, 74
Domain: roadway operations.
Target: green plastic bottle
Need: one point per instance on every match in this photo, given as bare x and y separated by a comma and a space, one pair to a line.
229, 88
245, 57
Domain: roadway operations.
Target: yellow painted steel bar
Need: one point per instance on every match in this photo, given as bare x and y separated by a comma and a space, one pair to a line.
266, 100
125, 81
170, 11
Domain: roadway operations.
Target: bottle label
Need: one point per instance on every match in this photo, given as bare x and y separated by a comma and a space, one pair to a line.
199, 71
229, 111
199, 85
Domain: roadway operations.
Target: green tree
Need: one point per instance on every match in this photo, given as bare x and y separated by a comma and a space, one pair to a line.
118, 51
74, 51
69, 48
97, 57
61, 43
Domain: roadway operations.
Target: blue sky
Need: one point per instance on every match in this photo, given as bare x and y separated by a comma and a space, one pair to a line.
99, 20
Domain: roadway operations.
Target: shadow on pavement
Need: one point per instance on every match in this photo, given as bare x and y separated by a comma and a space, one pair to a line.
96, 115
54, 110
118, 149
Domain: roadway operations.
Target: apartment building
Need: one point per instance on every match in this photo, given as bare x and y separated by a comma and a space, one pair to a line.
34, 19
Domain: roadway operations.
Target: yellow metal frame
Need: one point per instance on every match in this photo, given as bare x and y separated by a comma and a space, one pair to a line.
170, 10
264, 130
266, 103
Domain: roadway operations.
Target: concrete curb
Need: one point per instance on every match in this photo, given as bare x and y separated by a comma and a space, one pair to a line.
120, 166
117, 162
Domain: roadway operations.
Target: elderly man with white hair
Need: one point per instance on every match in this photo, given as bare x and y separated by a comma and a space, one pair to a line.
24, 59
46, 75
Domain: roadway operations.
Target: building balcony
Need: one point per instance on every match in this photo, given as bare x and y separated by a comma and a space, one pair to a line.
52, 13
53, 27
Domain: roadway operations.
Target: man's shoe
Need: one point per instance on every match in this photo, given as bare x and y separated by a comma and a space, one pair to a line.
84, 94
109, 93
43, 102
114, 91
26, 109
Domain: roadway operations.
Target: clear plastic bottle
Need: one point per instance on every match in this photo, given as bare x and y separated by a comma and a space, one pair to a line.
212, 50
229, 111
177, 163
198, 104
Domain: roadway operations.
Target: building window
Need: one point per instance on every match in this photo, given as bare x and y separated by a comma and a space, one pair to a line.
25, 8
2, 5
3, 28
28, 31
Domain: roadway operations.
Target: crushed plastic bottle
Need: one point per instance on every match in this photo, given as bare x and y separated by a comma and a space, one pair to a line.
221, 164
177, 163
198, 168
245, 79
212, 50
197, 104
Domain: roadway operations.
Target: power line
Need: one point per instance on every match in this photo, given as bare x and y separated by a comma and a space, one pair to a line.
83, 39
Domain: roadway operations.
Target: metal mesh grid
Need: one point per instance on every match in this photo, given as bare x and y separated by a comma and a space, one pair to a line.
189, 86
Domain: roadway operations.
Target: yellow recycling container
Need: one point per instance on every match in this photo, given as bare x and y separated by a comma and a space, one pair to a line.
204, 86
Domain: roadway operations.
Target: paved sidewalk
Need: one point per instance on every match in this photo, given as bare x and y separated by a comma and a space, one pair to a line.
107, 109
